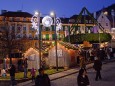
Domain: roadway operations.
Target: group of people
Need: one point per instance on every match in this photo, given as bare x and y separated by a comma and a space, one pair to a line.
83, 79
42, 79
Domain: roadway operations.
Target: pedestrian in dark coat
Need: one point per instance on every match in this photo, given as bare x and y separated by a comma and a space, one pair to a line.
42, 79
97, 66
12, 75
82, 78
25, 65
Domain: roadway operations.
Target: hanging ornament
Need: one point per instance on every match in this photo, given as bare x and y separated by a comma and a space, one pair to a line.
47, 21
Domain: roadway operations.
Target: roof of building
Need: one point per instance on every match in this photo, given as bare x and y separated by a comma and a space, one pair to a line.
74, 18
64, 20
68, 45
16, 14
107, 9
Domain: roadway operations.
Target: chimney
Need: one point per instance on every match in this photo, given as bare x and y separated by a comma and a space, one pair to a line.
19, 10
3, 11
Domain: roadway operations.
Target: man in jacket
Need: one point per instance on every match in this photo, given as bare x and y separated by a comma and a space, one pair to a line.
12, 75
97, 66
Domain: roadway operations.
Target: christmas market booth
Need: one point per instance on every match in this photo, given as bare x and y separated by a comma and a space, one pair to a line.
66, 54
32, 56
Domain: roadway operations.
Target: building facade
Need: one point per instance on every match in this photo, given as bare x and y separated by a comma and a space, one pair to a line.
22, 36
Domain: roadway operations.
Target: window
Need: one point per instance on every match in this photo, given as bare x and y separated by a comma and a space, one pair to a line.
47, 28
106, 24
43, 28
18, 27
30, 36
17, 19
50, 37
24, 28
44, 36
13, 27
79, 21
36, 36
11, 19
90, 21
3, 18
24, 19
24, 36
50, 28
86, 21
18, 36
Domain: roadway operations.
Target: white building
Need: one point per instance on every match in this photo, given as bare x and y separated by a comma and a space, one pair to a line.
104, 22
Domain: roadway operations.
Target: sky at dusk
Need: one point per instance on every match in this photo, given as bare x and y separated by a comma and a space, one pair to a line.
62, 8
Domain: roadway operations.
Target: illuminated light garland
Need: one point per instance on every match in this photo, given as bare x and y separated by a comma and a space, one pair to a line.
68, 45
58, 23
35, 21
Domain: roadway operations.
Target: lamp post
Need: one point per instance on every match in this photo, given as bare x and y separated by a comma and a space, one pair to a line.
39, 38
113, 14
54, 16
36, 25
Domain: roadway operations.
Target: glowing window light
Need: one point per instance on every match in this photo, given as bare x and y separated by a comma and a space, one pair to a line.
44, 36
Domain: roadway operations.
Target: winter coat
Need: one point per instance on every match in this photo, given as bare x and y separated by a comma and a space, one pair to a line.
97, 65
12, 70
83, 81
42, 80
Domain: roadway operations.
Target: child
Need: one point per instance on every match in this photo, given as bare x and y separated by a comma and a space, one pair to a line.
3, 72
33, 73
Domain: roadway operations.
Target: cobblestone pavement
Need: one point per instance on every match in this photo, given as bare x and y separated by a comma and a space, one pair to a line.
108, 77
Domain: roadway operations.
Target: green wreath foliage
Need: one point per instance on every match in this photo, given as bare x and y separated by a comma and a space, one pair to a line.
90, 37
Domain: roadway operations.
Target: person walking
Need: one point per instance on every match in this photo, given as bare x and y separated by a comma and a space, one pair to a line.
33, 74
97, 66
12, 74
82, 62
42, 79
25, 65
82, 79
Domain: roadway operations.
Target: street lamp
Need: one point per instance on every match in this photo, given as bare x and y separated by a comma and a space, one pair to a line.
36, 25
113, 14
54, 16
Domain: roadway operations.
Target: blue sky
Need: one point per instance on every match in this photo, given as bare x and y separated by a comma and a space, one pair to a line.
63, 8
